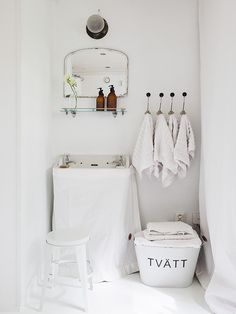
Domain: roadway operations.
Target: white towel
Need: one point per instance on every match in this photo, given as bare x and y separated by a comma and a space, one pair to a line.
164, 152
185, 146
167, 236
169, 228
142, 158
173, 126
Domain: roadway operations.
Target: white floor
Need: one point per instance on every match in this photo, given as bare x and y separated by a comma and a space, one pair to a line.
124, 296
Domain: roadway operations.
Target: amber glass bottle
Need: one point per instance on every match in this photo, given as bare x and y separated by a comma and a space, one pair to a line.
100, 102
111, 99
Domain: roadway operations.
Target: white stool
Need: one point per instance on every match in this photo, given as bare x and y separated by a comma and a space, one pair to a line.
67, 238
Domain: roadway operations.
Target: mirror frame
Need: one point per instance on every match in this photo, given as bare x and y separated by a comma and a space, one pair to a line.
95, 48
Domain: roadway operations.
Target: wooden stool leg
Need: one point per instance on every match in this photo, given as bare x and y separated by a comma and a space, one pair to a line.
47, 264
83, 273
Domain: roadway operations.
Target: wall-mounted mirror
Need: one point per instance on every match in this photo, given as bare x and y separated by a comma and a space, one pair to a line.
97, 67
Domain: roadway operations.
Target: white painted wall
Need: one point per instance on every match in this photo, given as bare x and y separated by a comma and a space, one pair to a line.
161, 39
35, 135
8, 157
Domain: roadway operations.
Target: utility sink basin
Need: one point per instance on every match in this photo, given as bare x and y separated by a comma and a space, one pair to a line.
93, 161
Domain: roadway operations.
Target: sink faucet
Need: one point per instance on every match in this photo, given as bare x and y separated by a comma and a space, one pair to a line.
67, 161
119, 162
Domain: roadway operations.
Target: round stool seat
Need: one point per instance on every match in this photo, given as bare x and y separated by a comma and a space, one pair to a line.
57, 241
67, 237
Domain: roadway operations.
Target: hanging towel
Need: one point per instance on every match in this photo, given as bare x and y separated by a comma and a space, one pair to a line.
142, 158
173, 126
164, 152
185, 146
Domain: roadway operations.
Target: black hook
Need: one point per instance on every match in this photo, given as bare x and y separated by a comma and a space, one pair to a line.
184, 94
161, 95
172, 95
148, 95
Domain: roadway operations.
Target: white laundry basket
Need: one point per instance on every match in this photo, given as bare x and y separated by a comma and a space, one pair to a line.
167, 263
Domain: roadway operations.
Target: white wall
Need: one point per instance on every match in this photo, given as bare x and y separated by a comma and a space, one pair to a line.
8, 157
161, 39
35, 134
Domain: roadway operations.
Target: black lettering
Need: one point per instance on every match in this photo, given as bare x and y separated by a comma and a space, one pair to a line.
151, 259
176, 262
184, 260
167, 263
158, 264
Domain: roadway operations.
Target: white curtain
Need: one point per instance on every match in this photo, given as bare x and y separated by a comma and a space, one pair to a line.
217, 269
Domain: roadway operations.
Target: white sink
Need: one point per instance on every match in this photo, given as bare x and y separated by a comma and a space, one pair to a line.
95, 161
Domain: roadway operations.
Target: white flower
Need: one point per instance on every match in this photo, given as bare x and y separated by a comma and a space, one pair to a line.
69, 80
72, 83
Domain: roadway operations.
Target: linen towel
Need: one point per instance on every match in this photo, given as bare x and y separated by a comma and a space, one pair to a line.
173, 126
185, 146
169, 228
164, 152
167, 236
142, 158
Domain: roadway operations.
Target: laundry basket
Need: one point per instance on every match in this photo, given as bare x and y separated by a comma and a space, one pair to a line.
167, 263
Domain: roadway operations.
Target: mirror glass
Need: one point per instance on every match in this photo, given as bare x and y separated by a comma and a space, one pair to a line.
97, 67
